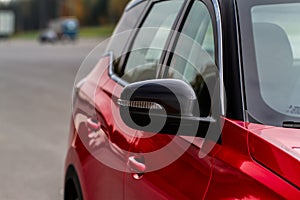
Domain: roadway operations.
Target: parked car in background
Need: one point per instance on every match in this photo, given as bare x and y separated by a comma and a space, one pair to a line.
62, 29
48, 35
199, 100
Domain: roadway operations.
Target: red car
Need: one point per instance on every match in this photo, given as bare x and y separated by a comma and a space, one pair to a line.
193, 99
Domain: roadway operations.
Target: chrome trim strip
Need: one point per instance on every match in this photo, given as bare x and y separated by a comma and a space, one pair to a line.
111, 73
111, 63
220, 53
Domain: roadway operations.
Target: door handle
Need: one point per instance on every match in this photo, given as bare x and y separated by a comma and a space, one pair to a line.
137, 165
93, 124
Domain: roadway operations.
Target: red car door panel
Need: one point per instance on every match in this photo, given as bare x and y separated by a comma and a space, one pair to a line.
186, 177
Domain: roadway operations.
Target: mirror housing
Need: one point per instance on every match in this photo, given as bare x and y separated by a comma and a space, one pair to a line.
167, 106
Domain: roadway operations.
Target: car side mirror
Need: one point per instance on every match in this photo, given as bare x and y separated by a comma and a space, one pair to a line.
167, 106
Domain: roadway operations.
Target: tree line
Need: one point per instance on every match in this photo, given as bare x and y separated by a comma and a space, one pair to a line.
36, 14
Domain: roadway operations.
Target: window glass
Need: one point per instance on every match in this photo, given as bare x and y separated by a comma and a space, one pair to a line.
277, 51
194, 56
147, 49
122, 33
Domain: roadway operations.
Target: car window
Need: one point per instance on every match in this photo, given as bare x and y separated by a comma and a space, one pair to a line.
276, 40
269, 36
143, 60
194, 55
122, 34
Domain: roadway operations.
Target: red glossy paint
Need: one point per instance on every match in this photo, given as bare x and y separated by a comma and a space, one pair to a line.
186, 178
114, 161
273, 149
87, 143
238, 175
253, 162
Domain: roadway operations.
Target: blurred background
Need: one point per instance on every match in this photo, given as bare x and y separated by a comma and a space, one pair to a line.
28, 16
42, 45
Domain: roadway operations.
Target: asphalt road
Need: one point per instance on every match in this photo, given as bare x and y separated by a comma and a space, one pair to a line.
36, 84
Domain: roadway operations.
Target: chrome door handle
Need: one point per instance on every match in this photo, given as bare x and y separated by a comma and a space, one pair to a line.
137, 164
93, 124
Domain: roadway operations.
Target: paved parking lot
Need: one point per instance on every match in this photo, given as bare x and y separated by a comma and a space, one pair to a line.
35, 106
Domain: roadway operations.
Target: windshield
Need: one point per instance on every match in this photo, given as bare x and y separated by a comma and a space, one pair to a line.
270, 35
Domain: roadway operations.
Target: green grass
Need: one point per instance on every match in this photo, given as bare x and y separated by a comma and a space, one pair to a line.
28, 35
85, 32
101, 31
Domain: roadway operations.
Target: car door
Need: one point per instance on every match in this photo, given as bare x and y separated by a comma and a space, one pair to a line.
177, 167
107, 142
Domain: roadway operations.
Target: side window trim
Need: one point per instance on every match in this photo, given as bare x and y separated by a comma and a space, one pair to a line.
111, 71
